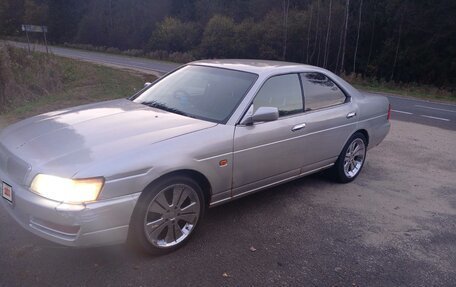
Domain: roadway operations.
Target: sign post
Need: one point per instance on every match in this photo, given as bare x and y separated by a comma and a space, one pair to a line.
28, 41
45, 41
35, 29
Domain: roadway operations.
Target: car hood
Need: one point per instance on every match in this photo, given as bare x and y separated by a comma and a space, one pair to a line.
65, 141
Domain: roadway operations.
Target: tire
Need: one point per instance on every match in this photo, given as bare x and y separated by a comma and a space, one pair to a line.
348, 165
166, 215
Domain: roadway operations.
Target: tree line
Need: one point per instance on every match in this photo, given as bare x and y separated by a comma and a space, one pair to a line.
393, 40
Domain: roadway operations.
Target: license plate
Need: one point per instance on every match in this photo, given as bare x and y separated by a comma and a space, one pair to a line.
7, 192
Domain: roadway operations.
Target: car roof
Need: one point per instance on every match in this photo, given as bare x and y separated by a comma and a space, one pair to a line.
257, 66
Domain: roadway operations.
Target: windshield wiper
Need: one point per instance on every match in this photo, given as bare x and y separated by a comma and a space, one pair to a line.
154, 104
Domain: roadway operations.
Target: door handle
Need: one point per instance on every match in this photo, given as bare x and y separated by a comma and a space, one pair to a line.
298, 127
351, 115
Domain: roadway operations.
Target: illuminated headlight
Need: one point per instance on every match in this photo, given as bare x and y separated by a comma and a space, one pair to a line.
67, 190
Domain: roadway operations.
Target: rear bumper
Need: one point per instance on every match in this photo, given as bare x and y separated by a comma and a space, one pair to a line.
94, 224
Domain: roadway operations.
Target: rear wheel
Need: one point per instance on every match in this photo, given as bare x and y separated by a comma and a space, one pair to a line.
166, 215
351, 159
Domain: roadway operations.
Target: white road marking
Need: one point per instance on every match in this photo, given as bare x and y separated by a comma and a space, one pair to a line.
445, 110
402, 112
436, 118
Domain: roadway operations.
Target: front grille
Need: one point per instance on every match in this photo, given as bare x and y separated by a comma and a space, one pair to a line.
16, 168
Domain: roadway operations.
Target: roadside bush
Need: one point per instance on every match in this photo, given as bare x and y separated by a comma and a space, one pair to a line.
88, 47
113, 50
178, 57
159, 55
133, 52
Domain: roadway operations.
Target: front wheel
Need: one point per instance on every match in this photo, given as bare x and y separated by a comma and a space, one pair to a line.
351, 159
167, 214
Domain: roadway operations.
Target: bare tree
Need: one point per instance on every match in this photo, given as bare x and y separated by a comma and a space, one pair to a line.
316, 30
340, 47
319, 51
308, 35
371, 40
286, 7
357, 36
398, 41
347, 9
325, 58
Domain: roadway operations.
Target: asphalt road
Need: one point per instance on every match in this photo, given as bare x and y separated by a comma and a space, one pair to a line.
424, 112
135, 63
406, 109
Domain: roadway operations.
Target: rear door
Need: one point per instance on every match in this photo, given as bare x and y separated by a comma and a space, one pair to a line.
330, 117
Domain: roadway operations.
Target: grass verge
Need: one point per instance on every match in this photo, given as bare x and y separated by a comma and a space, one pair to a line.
406, 90
35, 83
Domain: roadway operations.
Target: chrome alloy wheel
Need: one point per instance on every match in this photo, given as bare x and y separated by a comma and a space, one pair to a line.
172, 215
354, 158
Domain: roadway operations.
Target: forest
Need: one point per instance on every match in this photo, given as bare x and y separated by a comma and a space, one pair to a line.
403, 41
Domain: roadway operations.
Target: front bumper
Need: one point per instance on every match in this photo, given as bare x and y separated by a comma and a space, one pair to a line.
100, 223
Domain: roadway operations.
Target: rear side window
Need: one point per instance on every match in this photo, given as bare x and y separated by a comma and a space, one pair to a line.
282, 92
320, 91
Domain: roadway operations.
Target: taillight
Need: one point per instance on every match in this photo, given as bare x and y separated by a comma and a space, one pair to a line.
389, 112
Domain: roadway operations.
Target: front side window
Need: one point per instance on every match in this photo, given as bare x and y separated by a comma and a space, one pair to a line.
282, 92
198, 91
320, 91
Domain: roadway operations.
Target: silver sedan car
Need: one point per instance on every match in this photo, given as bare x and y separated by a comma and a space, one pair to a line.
146, 168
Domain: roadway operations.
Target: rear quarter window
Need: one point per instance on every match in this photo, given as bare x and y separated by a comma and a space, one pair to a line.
320, 91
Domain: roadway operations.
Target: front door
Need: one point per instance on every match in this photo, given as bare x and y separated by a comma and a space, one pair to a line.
268, 152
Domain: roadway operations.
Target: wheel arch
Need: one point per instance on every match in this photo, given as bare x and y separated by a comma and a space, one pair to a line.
365, 134
200, 178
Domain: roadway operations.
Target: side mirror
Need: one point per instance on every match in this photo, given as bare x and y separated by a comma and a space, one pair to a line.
146, 84
263, 114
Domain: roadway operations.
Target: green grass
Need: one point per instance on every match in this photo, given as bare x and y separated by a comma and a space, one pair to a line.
83, 83
405, 90
42, 83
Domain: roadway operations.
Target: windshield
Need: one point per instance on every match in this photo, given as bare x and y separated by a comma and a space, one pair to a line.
201, 92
